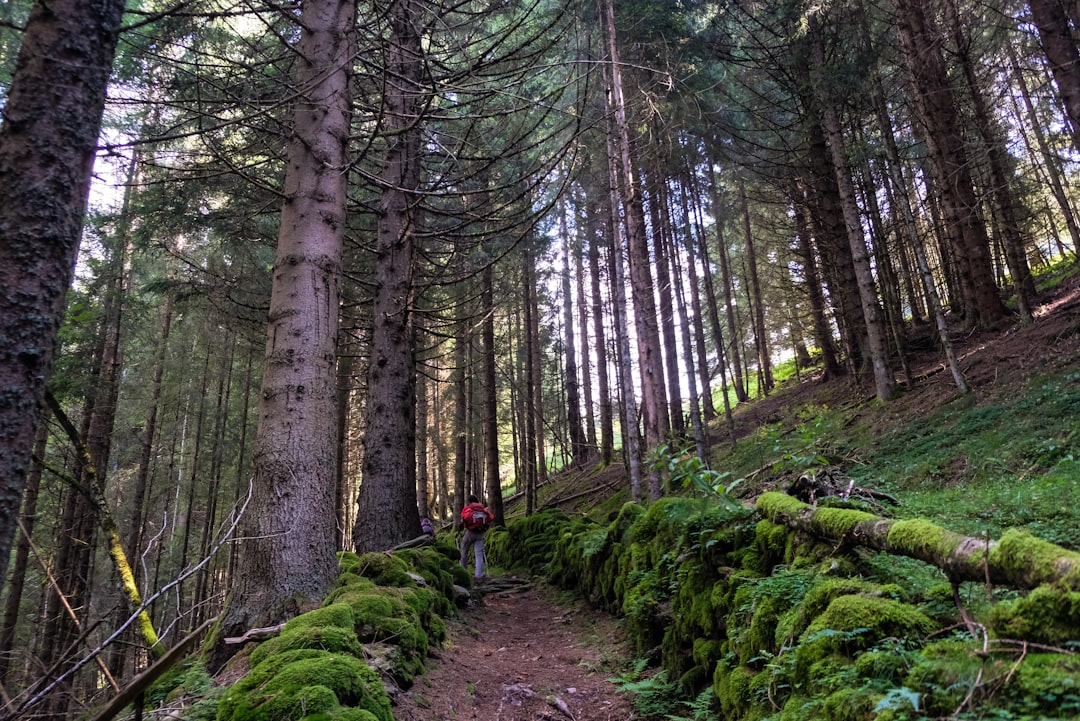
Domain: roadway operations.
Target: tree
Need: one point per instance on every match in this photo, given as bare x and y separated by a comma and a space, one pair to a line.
288, 553
48, 139
389, 476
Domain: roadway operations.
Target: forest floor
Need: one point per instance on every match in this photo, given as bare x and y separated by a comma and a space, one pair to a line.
521, 653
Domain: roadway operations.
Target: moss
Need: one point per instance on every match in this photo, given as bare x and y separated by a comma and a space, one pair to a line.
732, 688
348, 582
385, 569
761, 640
882, 617
943, 676
303, 687
348, 562
352, 714
777, 505
889, 666
838, 522
1048, 615
821, 594
296, 703
339, 615
848, 704
1023, 556
322, 638
1049, 683
920, 538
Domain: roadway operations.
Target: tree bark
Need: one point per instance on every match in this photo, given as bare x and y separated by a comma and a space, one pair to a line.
578, 447
52, 115
386, 507
289, 553
1059, 43
884, 382
491, 409
761, 335
595, 224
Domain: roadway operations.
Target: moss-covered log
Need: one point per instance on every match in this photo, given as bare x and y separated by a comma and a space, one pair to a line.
1016, 559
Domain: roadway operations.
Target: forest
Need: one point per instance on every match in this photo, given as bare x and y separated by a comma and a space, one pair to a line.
279, 279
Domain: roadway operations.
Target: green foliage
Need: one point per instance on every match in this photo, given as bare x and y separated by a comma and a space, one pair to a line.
687, 471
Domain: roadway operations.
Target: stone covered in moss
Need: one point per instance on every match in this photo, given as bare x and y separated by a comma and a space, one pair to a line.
296, 686
1047, 615
323, 638
732, 688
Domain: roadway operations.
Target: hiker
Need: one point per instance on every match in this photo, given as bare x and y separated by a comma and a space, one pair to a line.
477, 520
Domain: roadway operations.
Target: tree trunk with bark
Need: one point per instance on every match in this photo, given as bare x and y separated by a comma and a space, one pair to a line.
289, 551
491, 408
761, 335
386, 506
884, 382
48, 139
921, 43
1058, 41
596, 220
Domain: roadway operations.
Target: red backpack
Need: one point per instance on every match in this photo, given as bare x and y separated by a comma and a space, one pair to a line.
476, 517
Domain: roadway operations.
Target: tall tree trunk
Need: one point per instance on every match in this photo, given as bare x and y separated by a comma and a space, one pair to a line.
52, 115
535, 366
663, 242
491, 409
288, 555
623, 365
578, 444
697, 426
921, 43
653, 402
1005, 201
1051, 163
884, 381
142, 476
899, 198
708, 410
531, 427
761, 335
834, 250
1058, 41
727, 281
588, 399
822, 332
598, 217
22, 558
388, 482
461, 412
424, 490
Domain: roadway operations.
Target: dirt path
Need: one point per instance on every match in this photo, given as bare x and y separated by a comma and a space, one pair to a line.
518, 655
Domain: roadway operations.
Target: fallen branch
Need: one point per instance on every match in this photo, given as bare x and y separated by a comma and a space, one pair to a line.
256, 633
1017, 559
144, 680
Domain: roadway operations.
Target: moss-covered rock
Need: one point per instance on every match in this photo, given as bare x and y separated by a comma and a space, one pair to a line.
294, 687
323, 638
1049, 615
732, 688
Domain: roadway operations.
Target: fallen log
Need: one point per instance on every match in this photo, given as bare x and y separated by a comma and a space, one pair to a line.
1016, 559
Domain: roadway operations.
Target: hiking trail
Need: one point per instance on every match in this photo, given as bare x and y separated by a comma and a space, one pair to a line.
517, 654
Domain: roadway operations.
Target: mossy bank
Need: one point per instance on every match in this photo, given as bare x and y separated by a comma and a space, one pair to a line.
750, 619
